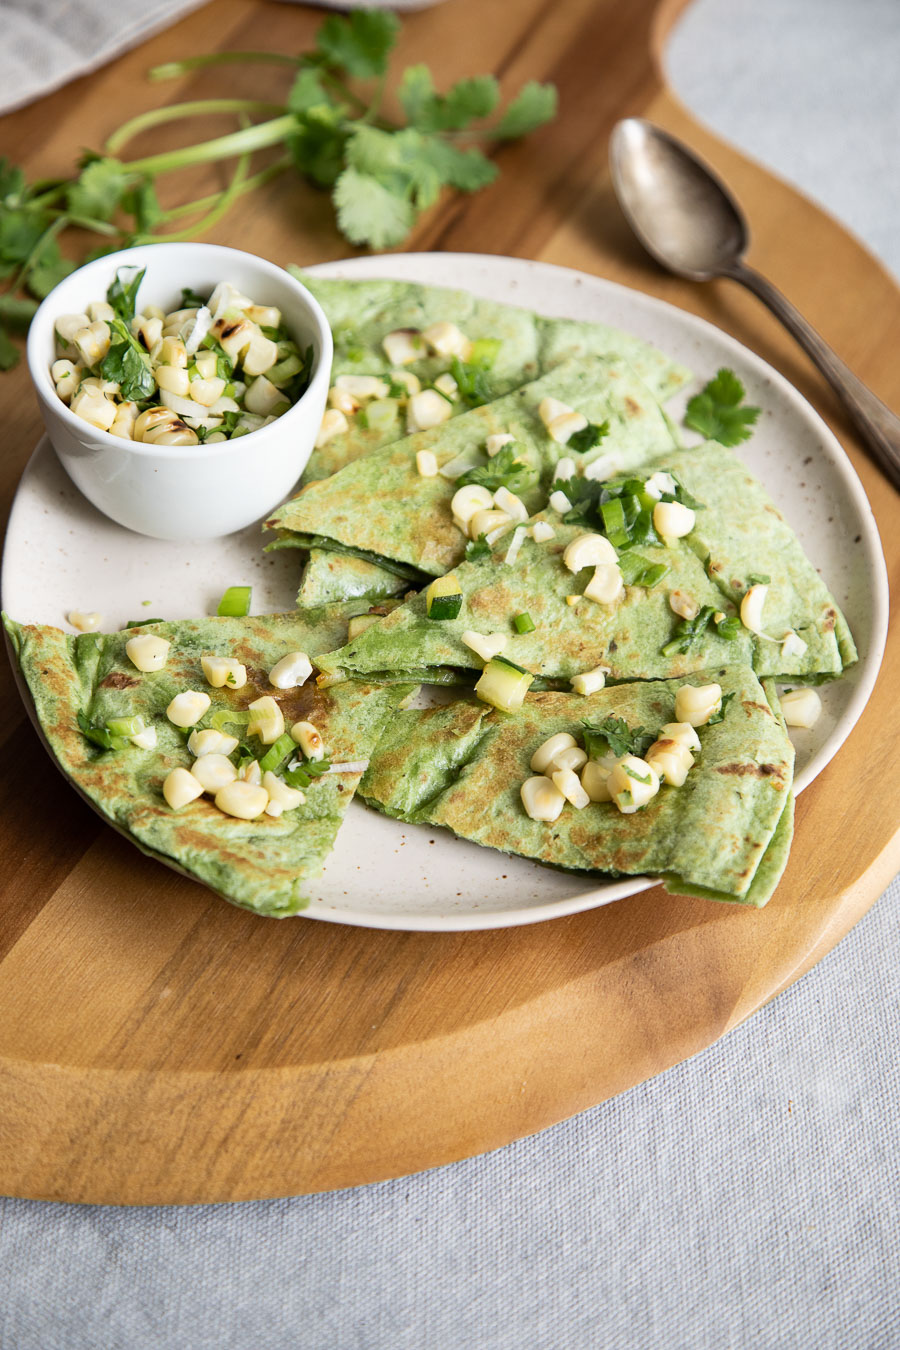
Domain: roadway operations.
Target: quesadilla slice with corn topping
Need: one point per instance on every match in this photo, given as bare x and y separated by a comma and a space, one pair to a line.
208, 744
714, 821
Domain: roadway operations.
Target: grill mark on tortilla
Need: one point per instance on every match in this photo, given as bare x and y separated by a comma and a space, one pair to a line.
117, 680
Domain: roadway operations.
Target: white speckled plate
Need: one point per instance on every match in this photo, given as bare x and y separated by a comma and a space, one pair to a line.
61, 554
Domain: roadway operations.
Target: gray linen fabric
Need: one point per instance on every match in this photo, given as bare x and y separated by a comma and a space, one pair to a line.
747, 1199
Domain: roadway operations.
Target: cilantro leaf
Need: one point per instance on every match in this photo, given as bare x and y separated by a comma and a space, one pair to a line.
47, 269
128, 364
472, 383
716, 412
689, 632
317, 146
359, 44
416, 93
16, 312
9, 352
477, 548
534, 105
504, 470
142, 202
368, 212
614, 736
122, 293
720, 715
308, 91
588, 437
98, 189
468, 170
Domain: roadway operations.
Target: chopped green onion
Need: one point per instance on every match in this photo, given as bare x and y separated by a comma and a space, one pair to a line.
310, 768
613, 513
524, 623
483, 353
235, 603
226, 717
729, 628
101, 735
126, 726
277, 753
139, 623
639, 571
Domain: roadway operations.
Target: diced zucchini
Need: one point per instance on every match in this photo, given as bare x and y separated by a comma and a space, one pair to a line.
503, 684
443, 598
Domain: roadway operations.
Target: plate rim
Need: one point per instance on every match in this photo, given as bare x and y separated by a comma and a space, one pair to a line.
415, 266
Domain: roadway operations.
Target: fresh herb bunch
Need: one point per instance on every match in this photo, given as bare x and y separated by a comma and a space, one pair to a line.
381, 174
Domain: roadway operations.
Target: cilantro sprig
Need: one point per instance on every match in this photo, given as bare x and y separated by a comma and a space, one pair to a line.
506, 469
614, 736
718, 411
381, 173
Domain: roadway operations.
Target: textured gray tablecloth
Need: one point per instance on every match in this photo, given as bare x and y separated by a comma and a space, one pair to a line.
747, 1198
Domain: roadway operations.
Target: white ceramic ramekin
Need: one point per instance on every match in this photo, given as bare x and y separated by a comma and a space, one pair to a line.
174, 491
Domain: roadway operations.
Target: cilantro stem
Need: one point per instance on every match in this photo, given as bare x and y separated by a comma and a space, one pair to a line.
223, 203
196, 108
248, 185
86, 222
171, 70
221, 147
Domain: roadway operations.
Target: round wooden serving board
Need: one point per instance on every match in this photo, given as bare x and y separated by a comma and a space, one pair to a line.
157, 1045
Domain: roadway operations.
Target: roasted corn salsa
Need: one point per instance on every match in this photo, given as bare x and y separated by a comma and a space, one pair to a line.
210, 370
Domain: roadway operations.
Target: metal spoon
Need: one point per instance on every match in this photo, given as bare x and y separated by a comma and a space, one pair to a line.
688, 221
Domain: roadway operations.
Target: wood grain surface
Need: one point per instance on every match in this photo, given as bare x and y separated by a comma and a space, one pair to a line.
157, 1045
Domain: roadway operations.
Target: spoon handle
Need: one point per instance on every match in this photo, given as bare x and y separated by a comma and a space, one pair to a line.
878, 426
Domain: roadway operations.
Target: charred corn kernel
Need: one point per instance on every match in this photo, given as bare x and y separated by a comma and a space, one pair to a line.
223, 670
494, 444
279, 791
147, 652
274, 809
309, 740
605, 586
551, 408
145, 739
425, 410
671, 760
126, 416
407, 381
672, 520
589, 681
542, 531
587, 551
697, 703
446, 385
265, 398
261, 355
267, 719
565, 468
572, 757
181, 787
403, 345
211, 742
752, 608
334, 423
469, 499
267, 316
175, 432
251, 773
65, 375
603, 467
187, 708
426, 464
660, 482
206, 392
445, 339
792, 644
151, 419
234, 335
545, 754
292, 670
358, 624
683, 733
362, 387
85, 622
682, 604
484, 645
94, 408
213, 771
172, 353
507, 501
207, 365
801, 707
174, 379
92, 342
67, 325
241, 799
345, 403
632, 783
149, 332
153, 312
569, 784
491, 524
560, 502
541, 798
595, 779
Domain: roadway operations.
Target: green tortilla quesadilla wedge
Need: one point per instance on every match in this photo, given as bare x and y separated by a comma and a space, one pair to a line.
333, 578
680, 607
384, 510
86, 693
724, 833
509, 346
